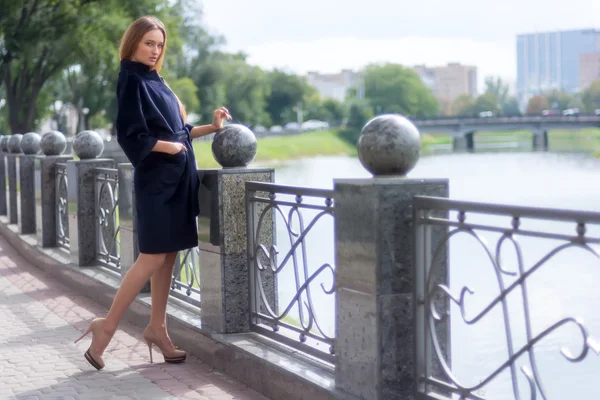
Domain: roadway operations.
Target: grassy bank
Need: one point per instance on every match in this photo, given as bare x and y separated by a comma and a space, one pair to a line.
274, 149
340, 142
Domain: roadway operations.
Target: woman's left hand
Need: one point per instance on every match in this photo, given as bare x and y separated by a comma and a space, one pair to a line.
219, 116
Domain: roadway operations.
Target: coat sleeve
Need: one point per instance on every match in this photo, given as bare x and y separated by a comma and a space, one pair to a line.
132, 131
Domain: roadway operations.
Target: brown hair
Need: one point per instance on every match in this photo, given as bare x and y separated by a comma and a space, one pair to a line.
133, 36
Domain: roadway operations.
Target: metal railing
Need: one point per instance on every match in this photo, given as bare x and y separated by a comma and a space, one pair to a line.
497, 120
62, 217
185, 284
107, 219
285, 291
514, 303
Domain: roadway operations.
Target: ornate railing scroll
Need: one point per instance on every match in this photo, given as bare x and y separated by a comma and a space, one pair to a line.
185, 284
283, 223
521, 333
107, 219
62, 216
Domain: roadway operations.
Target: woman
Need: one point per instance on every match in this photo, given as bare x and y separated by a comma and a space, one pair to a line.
151, 130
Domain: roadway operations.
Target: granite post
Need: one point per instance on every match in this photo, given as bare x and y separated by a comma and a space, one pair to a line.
224, 274
375, 324
81, 201
26, 179
3, 151
540, 140
46, 205
464, 142
14, 147
127, 220
11, 170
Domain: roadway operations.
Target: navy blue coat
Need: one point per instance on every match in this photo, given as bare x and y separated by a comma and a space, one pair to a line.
165, 185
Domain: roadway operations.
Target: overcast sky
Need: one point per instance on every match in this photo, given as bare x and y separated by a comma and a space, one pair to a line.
328, 35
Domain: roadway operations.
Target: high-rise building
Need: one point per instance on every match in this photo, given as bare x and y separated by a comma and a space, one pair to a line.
589, 69
449, 82
550, 61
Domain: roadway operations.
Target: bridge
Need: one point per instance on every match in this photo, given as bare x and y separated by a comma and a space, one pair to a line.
463, 129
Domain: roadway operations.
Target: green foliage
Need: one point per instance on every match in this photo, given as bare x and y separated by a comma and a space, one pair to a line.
537, 104
511, 107
246, 89
560, 100
463, 105
392, 88
590, 97
287, 91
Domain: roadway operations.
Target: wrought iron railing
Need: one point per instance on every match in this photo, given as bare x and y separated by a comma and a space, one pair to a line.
292, 296
62, 215
107, 218
185, 284
508, 294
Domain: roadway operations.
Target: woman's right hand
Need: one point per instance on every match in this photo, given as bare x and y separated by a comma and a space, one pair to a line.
175, 147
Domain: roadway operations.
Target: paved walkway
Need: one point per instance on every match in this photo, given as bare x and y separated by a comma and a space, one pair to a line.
40, 318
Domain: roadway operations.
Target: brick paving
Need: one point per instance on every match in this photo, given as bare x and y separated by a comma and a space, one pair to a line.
40, 318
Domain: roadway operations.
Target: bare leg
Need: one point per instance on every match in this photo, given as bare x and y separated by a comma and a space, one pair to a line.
135, 279
161, 286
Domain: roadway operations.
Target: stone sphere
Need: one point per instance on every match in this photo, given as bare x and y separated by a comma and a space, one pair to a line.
234, 146
53, 143
14, 143
88, 145
4, 143
30, 143
389, 145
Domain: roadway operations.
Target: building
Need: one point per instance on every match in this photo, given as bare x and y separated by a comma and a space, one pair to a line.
550, 61
449, 82
589, 69
333, 86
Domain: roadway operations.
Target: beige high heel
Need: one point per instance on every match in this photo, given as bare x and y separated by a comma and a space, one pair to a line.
173, 356
97, 329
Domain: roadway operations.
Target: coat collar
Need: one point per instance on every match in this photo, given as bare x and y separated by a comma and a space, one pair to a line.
135, 66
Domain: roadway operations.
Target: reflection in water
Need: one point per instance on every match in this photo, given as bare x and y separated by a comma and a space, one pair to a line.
566, 286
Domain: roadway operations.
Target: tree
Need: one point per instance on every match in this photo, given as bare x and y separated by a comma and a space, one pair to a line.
537, 104
511, 107
486, 102
560, 100
43, 37
246, 89
358, 114
334, 111
287, 91
590, 97
391, 88
496, 87
463, 106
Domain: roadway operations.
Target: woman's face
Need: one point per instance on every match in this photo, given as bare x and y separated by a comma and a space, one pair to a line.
150, 48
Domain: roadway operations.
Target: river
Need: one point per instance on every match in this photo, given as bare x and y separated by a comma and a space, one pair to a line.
566, 286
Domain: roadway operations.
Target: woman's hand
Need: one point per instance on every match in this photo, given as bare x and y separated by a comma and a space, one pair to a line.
175, 147
219, 116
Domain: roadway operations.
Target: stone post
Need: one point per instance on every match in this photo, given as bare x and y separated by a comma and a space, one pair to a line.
87, 145
14, 147
463, 142
30, 146
127, 220
224, 276
375, 341
540, 140
52, 144
3, 194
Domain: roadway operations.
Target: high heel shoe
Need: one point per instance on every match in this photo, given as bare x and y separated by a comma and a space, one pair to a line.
173, 356
97, 329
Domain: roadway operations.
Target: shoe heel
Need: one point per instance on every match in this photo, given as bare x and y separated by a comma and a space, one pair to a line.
89, 329
149, 343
